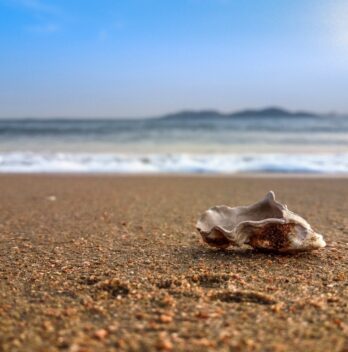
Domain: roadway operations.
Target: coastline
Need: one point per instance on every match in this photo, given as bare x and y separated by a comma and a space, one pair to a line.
236, 175
213, 164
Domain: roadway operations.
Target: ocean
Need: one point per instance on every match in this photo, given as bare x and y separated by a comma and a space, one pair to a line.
220, 145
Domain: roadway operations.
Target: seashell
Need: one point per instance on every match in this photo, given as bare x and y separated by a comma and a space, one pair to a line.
267, 225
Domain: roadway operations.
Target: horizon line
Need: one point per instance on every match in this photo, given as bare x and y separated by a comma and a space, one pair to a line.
179, 111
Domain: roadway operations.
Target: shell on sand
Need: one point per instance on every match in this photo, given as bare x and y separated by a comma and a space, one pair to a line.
267, 225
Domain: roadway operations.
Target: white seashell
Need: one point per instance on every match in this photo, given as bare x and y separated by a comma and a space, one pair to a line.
267, 225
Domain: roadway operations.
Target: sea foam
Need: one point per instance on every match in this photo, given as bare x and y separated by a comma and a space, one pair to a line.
29, 162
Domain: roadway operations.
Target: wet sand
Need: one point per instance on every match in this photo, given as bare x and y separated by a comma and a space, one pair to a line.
106, 263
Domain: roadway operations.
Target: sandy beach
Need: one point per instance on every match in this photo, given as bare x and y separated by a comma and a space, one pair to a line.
114, 263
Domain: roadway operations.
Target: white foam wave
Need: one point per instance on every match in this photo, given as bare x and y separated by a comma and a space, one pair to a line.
27, 162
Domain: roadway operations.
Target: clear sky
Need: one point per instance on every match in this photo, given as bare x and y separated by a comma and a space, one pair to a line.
147, 57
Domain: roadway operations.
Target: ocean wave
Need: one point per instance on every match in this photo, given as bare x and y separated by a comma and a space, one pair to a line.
28, 162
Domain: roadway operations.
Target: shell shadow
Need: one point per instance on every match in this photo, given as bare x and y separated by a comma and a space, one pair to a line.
246, 254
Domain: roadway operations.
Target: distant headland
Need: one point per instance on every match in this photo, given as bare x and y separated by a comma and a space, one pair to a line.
266, 112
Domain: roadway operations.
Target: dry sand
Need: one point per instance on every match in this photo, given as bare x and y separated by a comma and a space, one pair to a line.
114, 263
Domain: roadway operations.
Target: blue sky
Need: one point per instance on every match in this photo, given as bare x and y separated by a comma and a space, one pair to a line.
147, 57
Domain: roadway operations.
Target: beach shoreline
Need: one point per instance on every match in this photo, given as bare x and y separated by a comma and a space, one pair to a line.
114, 263
133, 175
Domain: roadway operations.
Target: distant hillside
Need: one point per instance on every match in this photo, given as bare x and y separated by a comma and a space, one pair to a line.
270, 112
267, 112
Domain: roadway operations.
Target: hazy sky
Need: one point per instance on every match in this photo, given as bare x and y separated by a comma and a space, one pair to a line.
148, 57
